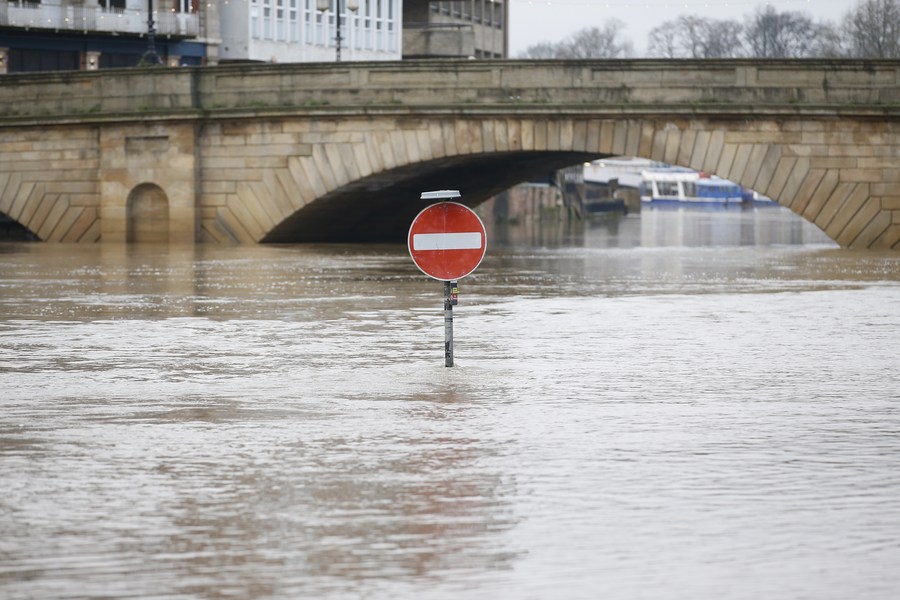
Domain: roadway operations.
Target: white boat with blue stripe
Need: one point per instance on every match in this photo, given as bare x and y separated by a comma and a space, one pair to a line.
685, 187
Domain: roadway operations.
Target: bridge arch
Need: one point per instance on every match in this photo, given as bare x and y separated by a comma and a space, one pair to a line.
340, 177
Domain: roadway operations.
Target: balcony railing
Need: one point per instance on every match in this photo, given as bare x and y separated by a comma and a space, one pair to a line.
79, 18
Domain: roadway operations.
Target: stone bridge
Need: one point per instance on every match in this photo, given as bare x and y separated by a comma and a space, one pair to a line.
340, 152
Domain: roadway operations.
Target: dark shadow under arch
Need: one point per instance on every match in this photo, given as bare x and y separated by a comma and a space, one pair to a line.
380, 208
13, 231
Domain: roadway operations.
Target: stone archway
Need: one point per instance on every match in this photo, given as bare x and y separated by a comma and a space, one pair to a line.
148, 215
343, 176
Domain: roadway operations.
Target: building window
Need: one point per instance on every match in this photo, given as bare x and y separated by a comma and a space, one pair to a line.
308, 11
254, 19
115, 60
25, 60
187, 6
279, 20
293, 21
322, 21
267, 19
113, 5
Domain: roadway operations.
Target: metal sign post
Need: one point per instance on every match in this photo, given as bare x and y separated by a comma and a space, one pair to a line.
451, 298
447, 242
448, 326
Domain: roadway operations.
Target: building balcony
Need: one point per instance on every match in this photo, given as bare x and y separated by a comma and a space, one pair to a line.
97, 19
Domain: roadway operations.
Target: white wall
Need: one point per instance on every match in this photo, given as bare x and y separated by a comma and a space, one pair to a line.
234, 28
294, 31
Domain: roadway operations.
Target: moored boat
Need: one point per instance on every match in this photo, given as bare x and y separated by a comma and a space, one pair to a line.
675, 186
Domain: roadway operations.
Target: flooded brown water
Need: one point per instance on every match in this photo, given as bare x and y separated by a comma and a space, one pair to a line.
673, 405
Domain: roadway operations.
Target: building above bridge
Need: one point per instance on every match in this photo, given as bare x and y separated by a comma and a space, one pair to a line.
67, 35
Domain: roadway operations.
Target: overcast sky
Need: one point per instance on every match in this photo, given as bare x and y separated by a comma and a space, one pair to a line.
535, 21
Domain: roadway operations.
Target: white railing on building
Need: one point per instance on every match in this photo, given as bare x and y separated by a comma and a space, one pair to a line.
80, 18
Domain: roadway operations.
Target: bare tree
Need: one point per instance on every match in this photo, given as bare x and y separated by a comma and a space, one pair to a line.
722, 39
541, 50
594, 42
663, 41
591, 42
872, 29
827, 42
696, 37
692, 30
770, 34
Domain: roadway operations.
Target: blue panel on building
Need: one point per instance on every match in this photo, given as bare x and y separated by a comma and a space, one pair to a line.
44, 52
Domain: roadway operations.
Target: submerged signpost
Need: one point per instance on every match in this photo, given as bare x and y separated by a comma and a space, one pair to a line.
447, 242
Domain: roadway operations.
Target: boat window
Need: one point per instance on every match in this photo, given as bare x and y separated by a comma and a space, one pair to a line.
667, 188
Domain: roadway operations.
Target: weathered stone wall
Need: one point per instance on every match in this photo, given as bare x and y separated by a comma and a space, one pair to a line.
49, 183
726, 86
71, 184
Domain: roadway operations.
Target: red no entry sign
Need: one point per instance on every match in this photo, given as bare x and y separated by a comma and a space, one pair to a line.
447, 241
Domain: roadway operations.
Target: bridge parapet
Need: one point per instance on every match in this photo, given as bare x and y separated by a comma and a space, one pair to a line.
673, 86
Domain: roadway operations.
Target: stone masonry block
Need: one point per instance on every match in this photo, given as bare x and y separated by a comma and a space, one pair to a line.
807, 188
841, 215
751, 172
686, 148
725, 160
607, 134
767, 167
861, 175
645, 146
860, 220
871, 232
822, 193
567, 135
834, 203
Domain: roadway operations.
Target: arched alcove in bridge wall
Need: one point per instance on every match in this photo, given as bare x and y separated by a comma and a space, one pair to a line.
148, 215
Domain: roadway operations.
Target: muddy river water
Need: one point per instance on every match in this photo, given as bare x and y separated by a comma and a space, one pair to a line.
668, 406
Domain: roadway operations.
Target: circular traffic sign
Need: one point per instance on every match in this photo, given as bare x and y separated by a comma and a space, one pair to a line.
447, 241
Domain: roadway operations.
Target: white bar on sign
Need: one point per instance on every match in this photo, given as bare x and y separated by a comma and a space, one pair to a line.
447, 241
